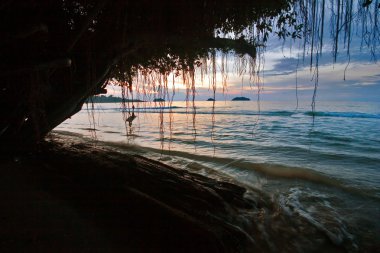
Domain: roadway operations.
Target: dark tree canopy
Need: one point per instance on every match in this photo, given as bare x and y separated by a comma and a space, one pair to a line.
57, 53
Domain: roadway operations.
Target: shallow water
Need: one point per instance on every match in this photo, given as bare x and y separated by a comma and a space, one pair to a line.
322, 166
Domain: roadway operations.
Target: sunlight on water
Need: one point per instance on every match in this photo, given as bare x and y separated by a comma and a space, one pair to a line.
341, 138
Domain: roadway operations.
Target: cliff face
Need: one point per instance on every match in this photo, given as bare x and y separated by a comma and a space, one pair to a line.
55, 54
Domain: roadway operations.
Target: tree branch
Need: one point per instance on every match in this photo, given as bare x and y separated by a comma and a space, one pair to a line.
86, 24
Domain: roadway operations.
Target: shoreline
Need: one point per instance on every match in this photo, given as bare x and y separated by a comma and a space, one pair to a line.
81, 195
73, 196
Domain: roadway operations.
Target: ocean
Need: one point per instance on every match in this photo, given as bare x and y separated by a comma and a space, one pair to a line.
321, 167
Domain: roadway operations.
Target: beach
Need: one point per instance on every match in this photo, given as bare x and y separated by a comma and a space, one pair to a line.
80, 195
75, 196
314, 176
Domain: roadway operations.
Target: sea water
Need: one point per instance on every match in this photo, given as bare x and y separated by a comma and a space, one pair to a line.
322, 166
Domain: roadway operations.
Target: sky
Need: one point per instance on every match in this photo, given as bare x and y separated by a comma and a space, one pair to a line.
351, 78
284, 70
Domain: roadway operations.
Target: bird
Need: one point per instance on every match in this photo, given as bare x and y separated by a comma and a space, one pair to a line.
131, 118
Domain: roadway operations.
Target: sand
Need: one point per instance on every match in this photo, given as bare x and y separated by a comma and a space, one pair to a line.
72, 196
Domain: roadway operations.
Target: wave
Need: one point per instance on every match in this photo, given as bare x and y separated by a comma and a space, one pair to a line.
320, 210
199, 111
284, 172
335, 138
278, 113
343, 115
223, 166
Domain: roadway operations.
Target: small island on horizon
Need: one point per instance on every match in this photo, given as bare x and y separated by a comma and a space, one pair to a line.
240, 99
116, 99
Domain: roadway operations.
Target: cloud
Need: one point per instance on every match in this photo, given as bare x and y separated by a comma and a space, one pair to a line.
284, 66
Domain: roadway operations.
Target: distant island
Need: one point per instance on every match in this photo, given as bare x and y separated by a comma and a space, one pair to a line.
241, 99
210, 99
111, 99
158, 100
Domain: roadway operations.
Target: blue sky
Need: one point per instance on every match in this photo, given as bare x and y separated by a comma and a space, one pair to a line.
357, 79
283, 69
354, 78
348, 79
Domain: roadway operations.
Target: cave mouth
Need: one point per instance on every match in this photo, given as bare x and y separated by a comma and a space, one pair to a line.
56, 54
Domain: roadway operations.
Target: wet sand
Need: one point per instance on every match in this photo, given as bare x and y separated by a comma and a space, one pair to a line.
72, 196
